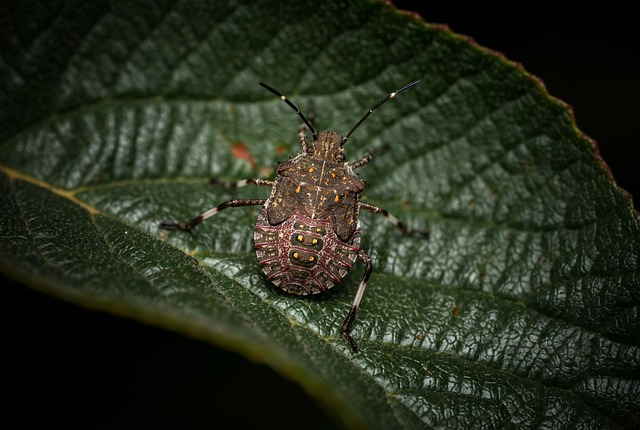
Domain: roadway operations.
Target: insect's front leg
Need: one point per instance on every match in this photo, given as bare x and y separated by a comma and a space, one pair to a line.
237, 184
368, 156
395, 221
302, 130
302, 135
345, 329
189, 225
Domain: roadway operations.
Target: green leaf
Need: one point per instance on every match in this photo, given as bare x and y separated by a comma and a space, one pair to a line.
521, 309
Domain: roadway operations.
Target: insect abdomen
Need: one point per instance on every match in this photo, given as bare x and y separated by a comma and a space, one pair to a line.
302, 255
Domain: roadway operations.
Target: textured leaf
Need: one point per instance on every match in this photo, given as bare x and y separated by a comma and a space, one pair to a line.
520, 310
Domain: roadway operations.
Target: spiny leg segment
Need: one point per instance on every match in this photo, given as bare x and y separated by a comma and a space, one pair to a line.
302, 130
345, 329
368, 156
395, 221
237, 184
382, 211
233, 203
189, 225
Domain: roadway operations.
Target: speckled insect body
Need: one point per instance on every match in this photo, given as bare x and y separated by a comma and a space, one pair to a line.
307, 234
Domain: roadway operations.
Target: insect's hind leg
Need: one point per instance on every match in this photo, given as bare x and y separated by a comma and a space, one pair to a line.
189, 225
345, 329
395, 221
238, 184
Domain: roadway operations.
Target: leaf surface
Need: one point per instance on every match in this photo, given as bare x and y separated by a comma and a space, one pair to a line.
521, 309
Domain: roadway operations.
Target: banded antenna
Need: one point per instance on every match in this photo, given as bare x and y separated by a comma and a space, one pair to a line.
376, 106
369, 112
294, 107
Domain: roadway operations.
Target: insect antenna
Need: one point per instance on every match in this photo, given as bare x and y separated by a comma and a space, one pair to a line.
294, 107
376, 106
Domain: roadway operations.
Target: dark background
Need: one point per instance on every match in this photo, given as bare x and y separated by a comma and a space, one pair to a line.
65, 365
585, 55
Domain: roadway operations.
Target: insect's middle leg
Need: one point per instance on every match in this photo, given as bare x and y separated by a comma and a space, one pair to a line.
395, 221
345, 329
234, 203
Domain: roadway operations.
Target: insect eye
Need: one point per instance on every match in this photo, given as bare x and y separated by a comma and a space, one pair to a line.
340, 156
310, 149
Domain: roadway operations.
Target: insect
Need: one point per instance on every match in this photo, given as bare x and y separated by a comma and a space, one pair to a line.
307, 234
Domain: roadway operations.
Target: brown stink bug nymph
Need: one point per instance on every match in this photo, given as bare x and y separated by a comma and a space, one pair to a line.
307, 234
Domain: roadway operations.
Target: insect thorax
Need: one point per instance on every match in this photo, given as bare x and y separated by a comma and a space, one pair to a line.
319, 186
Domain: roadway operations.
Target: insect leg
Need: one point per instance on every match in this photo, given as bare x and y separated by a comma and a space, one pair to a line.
232, 185
361, 162
351, 316
234, 203
302, 135
302, 130
395, 221
367, 156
